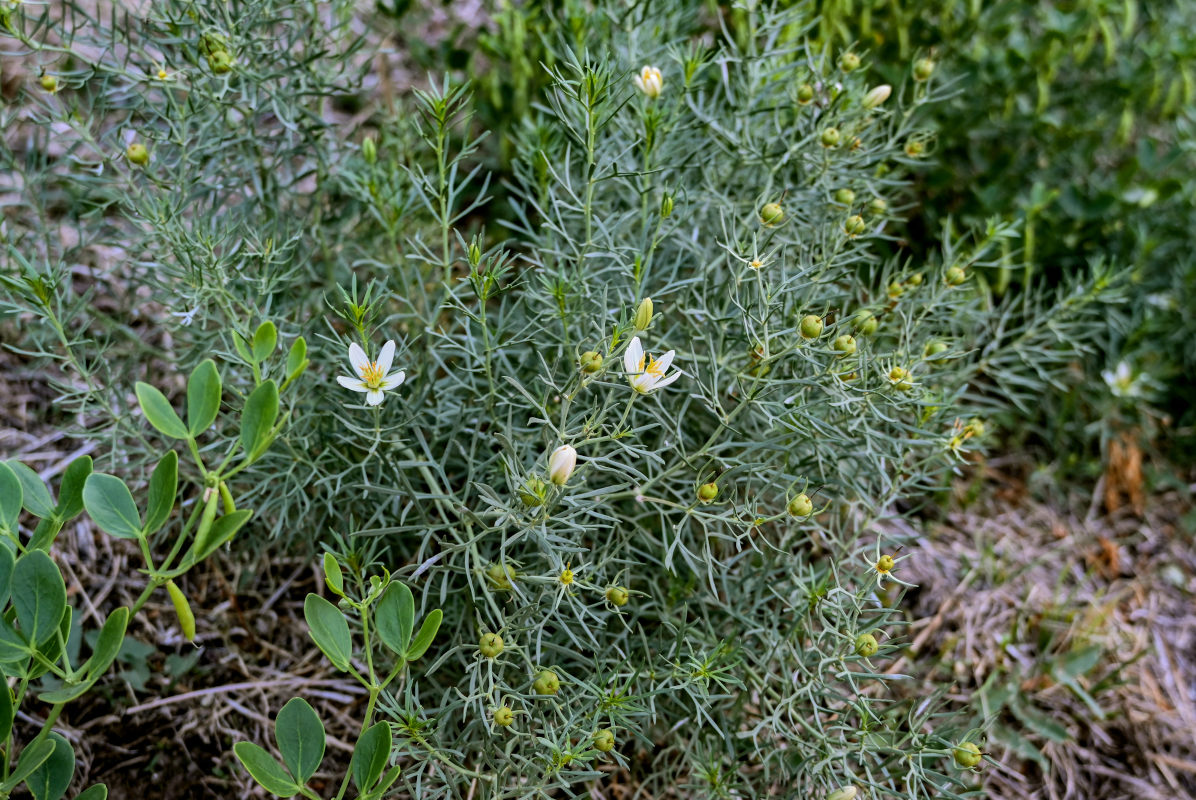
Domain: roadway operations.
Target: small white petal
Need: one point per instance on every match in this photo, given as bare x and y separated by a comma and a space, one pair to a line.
666, 381
386, 357
393, 381
352, 383
633, 355
358, 358
374, 397
663, 363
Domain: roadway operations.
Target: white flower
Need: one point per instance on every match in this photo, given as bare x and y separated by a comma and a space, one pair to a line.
645, 374
374, 377
649, 81
561, 464
1122, 381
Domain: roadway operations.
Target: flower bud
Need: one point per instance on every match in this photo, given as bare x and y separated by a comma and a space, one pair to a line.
475, 252
772, 214
955, 276
967, 755
707, 492
866, 645
877, 96
666, 206
566, 577
617, 595
865, 323
48, 82
490, 645
801, 506
849, 62
501, 576
845, 344
844, 793
923, 69
369, 150
547, 683
855, 225
915, 279
805, 94
829, 137
844, 197
604, 741
534, 492
877, 205
561, 464
220, 62
503, 716
933, 349
811, 326
643, 315
591, 362
137, 154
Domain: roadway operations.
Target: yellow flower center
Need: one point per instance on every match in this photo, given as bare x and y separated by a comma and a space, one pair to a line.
372, 375
161, 74
653, 367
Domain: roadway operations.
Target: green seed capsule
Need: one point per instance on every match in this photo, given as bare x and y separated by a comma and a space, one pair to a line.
772, 214
845, 793
501, 577
933, 349
183, 610
805, 94
914, 148
899, 377
849, 62
503, 716
547, 683
490, 645
878, 206
829, 137
845, 345
855, 225
220, 62
137, 154
955, 276
617, 596
801, 506
591, 362
707, 492
885, 564
967, 755
866, 645
923, 69
811, 326
604, 740
48, 82
865, 323
844, 197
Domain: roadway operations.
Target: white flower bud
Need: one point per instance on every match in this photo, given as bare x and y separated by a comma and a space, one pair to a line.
561, 464
877, 96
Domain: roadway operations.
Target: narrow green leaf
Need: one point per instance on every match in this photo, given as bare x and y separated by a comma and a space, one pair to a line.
164, 485
265, 770
370, 756
111, 506
108, 643
38, 595
37, 498
158, 411
329, 630
264, 341
97, 792
51, 779
333, 575
203, 397
70, 490
12, 496
394, 617
427, 632
257, 418
31, 758
300, 737
223, 529
7, 711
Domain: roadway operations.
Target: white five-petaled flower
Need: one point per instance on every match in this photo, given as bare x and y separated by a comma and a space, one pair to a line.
373, 377
1122, 382
649, 81
644, 373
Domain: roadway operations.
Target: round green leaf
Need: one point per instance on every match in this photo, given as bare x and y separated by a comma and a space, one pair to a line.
203, 397
257, 419
370, 756
38, 595
164, 485
394, 617
300, 737
329, 630
37, 498
51, 779
70, 489
265, 770
264, 341
158, 411
110, 504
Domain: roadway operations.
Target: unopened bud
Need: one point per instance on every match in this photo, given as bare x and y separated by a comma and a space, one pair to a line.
533, 492
643, 315
914, 148
923, 69
604, 741
877, 96
829, 137
561, 464
475, 252
805, 94
666, 206
844, 793
849, 62
369, 150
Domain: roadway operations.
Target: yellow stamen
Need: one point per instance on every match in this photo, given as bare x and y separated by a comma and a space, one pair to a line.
654, 369
371, 375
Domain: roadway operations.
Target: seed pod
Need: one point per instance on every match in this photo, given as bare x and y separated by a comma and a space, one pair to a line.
591, 362
855, 225
226, 499
503, 716
967, 755
617, 596
490, 645
895, 290
547, 683
501, 577
845, 345
801, 506
811, 326
707, 492
805, 94
877, 96
899, 377
885, 564
533, 492
561, 464
829, 137
865, 323
137, 154
220, 62
954, 276
643, 315
844, 197
866, 645
666, 206
604, 741
933, 349
205, 520
923, 69
844, 793
915, 279
183, 610
369, 150
914, 148
48, 82
877, 205
772, 214
849, 62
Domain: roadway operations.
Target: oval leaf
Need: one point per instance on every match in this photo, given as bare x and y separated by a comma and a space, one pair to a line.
37, 500
329, 630
203, 397
164, 485
7, 711
223, 529
110, 504
32, 757
39, 596
394, 617
50, 780
70, 490
7, 562
265, 770
427, 632
264, 340
12, 496
332, 575
158, 411
97, 792
257, 419
300, 737
370, 756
